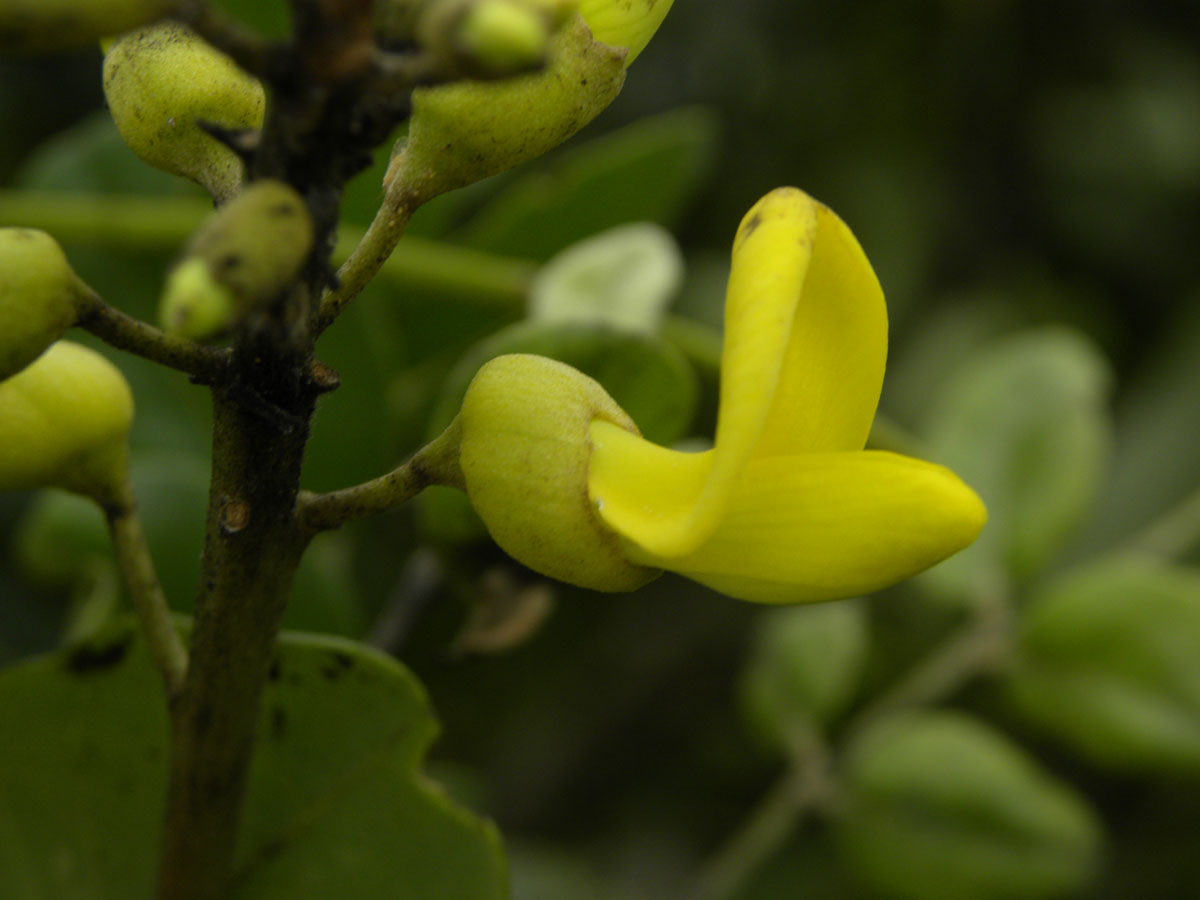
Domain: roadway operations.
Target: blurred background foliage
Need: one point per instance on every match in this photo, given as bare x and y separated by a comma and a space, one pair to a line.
1025, 178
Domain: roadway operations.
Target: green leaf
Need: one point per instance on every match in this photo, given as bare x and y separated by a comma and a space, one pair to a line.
623, 277
645, 172
804, 668
941, 807
61, 535
648, 377
1025, 424
336, 805
91, 156
1109, 662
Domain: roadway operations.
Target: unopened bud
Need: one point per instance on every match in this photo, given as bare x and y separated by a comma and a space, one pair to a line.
39, 296
241, 258
160, 82
64, 422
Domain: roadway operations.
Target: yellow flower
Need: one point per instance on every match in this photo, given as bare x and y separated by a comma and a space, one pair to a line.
787, 507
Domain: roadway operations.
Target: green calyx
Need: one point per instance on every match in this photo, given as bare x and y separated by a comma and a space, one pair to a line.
160, 81
40, 296
464, 132
239, 261
64, 422
59, 24
524, 455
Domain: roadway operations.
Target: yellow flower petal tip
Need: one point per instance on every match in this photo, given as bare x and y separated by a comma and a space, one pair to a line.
524, 452
625, 23
787, 507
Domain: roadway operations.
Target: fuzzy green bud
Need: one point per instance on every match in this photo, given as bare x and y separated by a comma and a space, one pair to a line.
502, 37
464, 132
159, 82
524, 454
64, 422
58, 24
40, 296
194, 305
240, 259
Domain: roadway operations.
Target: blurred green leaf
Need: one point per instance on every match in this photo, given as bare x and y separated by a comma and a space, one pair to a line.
62, 535
336, 805
804, 668
91, 156
623, 277
941, 807
1109, 662
645, 172
1025, 424
648, 377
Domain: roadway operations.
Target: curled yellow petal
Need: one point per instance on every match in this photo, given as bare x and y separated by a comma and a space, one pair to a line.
801, 370
625, 23
822, 526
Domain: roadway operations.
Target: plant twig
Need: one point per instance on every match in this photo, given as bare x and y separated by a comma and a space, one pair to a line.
371, 253
979, 646
134, 336
1172, 534
802, 787
133, 556
436, 463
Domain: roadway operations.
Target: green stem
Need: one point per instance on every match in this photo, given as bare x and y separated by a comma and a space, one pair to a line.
803, 786
133, 556
370, 253
980, 646
436, 463
165, 223
1172, 534
134, 336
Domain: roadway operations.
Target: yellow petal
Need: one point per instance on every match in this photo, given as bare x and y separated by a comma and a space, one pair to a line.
829, 525
624, 23
678, 499
833, 366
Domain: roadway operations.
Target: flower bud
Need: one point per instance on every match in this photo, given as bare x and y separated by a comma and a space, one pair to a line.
524, 455
240, 259
159, 82
64, 422
488, 38
39, 296
57, 24
464, 132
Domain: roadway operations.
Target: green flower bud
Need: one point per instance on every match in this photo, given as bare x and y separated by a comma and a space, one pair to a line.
159, 81
194, 305
501, 37
57, 24
524, 455
64, 422
464, 132
240, 259
39, 296
938, 805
